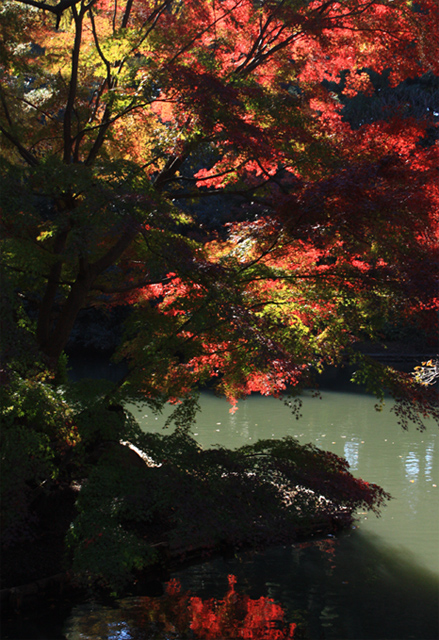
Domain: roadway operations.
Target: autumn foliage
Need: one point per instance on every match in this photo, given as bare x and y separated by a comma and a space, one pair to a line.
121, 124
194, 162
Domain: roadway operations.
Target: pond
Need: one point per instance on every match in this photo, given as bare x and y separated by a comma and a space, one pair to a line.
377, 581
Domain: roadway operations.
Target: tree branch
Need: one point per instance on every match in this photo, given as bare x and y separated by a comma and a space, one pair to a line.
73, 85
110, 257
130, 287
126, 15
87, 274
25, 154
57, 9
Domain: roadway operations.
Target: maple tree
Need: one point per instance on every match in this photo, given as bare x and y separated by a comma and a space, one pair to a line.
120, 120
196, 161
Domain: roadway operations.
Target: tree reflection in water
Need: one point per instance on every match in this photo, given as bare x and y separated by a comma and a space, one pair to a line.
180, 615
354, 586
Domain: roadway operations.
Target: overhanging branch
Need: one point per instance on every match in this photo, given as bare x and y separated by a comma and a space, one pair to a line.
57, 9
25, 154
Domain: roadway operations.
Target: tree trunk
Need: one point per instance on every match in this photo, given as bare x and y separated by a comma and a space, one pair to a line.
45, 315
55, 341
58, 337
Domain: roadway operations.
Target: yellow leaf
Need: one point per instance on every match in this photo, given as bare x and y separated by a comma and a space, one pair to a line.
44, 235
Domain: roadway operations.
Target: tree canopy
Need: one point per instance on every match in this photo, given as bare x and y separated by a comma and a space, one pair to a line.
190, 159
256, 180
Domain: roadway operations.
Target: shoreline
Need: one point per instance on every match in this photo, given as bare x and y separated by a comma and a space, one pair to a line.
53, 590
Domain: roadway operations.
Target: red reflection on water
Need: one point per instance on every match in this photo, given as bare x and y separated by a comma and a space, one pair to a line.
235, 616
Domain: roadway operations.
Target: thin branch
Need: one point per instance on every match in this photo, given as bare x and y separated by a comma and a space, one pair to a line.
245, 193
25, 154
202, 32
209, 177
98, 47
130, 287
171, 167
38, 109
247, 67
153, 19
260, 257
115, 251
262, 57
258, 43
6, 108
114, 15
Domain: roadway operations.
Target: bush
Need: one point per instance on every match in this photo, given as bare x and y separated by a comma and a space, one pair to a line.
273, 491
37, 431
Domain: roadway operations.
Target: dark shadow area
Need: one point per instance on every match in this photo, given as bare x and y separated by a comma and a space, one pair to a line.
347, 588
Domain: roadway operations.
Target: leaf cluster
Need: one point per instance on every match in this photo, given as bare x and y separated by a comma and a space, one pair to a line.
37, 432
